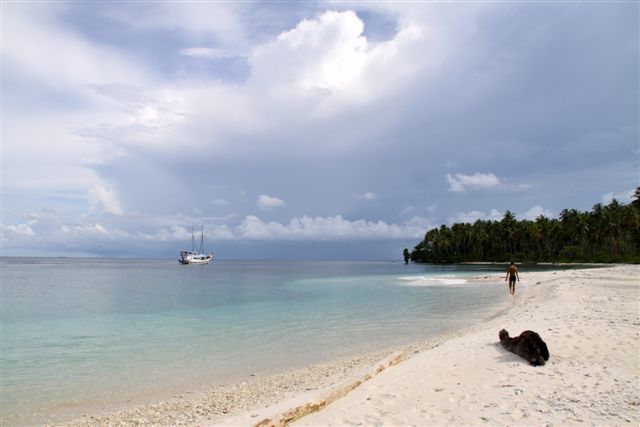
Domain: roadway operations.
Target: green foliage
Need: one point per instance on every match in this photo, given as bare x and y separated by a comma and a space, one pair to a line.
605, 234
406, 255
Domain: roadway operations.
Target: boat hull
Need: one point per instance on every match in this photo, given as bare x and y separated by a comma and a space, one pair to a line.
195, 259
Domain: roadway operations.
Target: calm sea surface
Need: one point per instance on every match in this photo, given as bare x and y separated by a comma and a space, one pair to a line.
78, 332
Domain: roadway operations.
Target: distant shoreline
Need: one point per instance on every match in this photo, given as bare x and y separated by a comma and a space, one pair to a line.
559, 264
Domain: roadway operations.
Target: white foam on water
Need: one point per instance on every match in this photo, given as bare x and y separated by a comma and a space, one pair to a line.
442, 280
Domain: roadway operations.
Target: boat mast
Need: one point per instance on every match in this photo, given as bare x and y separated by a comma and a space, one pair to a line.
202, 240
193, 241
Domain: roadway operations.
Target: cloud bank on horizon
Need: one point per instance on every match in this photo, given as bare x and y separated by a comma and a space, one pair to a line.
316, 130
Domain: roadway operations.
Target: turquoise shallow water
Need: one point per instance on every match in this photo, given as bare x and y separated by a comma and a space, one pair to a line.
80, 331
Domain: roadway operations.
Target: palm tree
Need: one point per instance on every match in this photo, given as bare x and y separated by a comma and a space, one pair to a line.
610, 232
636, 199
544, 225
508, 224
406, 255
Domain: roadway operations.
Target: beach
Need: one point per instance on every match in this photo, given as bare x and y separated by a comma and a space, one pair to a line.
589, 319
590, 322
148, 338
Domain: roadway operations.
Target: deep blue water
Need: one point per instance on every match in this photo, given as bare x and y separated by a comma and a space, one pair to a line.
80, 331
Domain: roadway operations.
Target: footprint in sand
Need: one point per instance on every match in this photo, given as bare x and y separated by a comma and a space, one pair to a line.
388, 396
453, 399
372, 421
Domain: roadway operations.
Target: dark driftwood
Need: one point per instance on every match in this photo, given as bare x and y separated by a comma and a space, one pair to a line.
527, 345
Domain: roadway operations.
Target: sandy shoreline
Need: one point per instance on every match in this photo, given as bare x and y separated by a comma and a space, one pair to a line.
589, 318
246, 399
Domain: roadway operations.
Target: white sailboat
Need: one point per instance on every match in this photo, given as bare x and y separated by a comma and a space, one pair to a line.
195, 257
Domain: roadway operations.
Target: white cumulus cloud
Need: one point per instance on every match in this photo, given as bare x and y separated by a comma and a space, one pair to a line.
269, 202
94, 230
16, 231
473, 216
478, 181
624, 197
535, 212
179, 233
329, 56
102, 199
496, 215
330, 228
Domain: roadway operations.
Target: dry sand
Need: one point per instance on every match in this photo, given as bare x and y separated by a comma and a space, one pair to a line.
590, 320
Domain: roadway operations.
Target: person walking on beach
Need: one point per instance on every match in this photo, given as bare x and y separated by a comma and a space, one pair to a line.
512, 275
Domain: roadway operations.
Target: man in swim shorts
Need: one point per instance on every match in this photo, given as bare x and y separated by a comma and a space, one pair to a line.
512, 275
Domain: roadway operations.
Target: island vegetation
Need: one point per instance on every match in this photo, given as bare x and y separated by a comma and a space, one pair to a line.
607, 233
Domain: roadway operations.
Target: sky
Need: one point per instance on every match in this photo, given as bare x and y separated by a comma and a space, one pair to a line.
307, 130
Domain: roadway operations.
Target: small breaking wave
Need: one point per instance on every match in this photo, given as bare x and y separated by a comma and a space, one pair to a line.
443, 280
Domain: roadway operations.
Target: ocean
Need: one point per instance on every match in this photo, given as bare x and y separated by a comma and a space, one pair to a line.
91, 332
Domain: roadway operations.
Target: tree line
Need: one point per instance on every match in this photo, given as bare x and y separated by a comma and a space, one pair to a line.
606, 233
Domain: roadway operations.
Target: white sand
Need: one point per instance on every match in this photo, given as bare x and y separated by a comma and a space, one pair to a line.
590, 320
